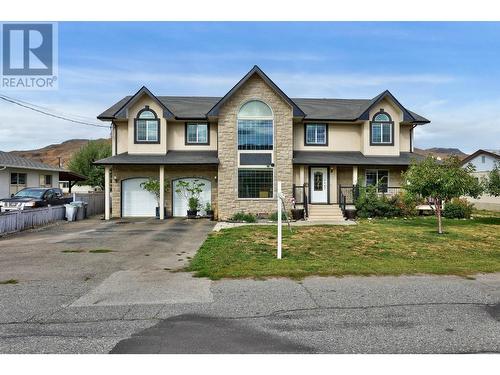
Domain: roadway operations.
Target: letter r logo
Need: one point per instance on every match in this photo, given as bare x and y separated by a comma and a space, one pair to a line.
27, 49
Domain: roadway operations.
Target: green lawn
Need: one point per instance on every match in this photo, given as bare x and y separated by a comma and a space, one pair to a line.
378, 247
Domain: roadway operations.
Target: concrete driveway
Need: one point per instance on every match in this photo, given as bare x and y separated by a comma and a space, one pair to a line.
71, 299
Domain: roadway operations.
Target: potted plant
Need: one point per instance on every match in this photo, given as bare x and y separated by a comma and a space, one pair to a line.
297, 213
209, 210
153, 186
191, 191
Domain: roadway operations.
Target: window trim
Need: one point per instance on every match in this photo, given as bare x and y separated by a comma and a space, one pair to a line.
45, 179
136, 119
187, 143
316, 144
391, 123
17, 178
377, 171
253, 168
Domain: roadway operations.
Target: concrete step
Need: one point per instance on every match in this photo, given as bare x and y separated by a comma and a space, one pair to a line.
322, 217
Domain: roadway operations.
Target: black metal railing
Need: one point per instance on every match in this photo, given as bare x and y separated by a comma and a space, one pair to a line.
300, 196
348, 194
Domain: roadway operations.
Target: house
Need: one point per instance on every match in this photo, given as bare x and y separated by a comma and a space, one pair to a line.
16, 173
242, 143
484, 161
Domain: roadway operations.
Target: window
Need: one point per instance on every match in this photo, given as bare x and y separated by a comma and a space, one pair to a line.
318, 181
316, 134
48, 180
381, 129
379, 178
147, 127
255, 126
18, 178
197, 134
255, 183
483, 159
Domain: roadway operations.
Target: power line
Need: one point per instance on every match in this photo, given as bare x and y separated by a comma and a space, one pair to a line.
31, 107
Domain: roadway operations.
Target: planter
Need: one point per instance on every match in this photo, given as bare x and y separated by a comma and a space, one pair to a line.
297, 213
350, 214
210, 214
191, 214
158, 212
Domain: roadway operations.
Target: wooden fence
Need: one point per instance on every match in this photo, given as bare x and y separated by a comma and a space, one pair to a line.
94, 200
16, 221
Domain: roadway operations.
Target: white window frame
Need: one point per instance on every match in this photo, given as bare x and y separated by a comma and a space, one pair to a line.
197, 142
377, 177
316, 143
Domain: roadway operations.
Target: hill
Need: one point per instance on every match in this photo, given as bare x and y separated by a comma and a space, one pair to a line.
440, 152
52, 154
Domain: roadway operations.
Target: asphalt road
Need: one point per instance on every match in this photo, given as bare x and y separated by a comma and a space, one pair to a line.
134, 300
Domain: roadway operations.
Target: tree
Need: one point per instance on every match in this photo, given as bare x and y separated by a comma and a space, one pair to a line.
492, 181
82, 162
440, 181
153, 186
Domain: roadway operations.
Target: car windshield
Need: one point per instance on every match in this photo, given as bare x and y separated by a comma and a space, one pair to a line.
30, 193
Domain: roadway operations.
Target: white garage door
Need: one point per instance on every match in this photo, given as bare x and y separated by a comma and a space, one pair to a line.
135, 200
180, 202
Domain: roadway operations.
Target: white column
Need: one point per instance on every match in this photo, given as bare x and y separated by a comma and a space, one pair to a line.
162, 192
354, 174
334, 184
301, 175
106, 193
279, 221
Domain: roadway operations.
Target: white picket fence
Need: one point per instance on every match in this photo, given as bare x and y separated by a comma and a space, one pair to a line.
94, 200
16, 221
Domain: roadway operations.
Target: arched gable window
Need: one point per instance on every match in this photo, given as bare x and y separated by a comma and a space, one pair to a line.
255, 126
147, 126
381, 129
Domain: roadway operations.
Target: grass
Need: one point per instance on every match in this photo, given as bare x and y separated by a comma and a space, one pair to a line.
10, 281
376, 247
72, 251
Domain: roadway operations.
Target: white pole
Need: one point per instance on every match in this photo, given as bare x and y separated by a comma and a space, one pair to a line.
279, 220
106, 193
162, 192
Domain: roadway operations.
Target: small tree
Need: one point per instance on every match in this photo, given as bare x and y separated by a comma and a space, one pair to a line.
492, 181
440, 181
191, 192
153, 186
81, 162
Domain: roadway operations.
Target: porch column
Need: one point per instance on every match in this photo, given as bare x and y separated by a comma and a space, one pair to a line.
106, 193
354, 174
334, 195
301, 175
162, 192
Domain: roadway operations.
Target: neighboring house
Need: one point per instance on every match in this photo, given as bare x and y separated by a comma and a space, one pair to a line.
16, 173
484, 161
66, 188
241, 144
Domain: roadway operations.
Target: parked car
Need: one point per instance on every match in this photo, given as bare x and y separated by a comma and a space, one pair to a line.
33, 197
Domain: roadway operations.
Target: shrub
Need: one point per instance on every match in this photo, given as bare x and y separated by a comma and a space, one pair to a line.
406, 203
245, 217
370, 204
274, 216
458, 209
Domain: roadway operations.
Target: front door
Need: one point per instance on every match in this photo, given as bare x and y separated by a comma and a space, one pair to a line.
319, 185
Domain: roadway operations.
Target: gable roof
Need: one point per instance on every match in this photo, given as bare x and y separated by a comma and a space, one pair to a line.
493, 153
120, 111
13, 161
201, 107
297, 112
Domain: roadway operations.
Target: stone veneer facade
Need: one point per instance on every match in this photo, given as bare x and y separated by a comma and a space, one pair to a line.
228, 202
120, 173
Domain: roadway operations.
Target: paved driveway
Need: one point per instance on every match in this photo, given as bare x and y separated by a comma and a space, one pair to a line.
134, 300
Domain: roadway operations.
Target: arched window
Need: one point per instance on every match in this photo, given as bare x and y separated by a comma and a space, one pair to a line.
255, 126
381, 129
147, 126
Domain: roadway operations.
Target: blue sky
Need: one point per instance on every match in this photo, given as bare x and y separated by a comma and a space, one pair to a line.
447, 72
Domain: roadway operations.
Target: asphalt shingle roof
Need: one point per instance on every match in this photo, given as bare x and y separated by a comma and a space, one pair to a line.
10, 160
325, 109
351, 158
172, 157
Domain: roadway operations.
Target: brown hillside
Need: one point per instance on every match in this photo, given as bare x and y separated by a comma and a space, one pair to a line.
441, 152
51, 154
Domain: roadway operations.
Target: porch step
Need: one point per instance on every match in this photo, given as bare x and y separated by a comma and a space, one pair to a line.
326, 212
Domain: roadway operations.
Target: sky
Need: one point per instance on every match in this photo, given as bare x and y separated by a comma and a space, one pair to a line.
446, 72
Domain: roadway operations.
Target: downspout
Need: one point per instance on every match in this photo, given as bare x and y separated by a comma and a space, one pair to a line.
115, 132
411, 136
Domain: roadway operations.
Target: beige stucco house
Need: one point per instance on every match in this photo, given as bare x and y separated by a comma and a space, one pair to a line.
241, 144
